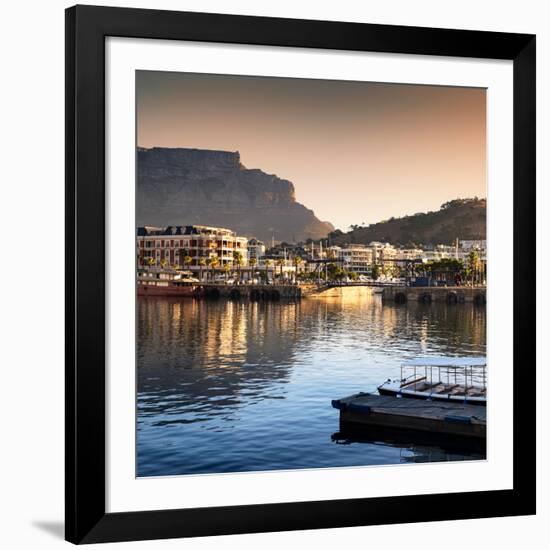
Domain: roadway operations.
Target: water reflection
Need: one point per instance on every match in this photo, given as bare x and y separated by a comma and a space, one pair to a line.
237, 386
414, 447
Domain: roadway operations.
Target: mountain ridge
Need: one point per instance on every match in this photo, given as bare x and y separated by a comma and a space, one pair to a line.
187, 186
460, 218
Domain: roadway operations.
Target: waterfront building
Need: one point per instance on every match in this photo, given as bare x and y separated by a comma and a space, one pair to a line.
443, 252
410, 254
383, 253
256, 249
479, 245
468, 245
356, 257
190, 246
278, 265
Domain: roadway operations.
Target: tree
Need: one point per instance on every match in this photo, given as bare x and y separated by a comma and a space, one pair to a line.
183, 254
227, 269
252, 262
214, 263
187, 260
280, 262
334, 272
238, 261
151, 261
297, 261
375, 272
473, 264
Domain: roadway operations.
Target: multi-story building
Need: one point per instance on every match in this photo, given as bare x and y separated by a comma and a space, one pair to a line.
383, 253
256, 250
443, 252
356, 257
410, 254
480, 246
189, 246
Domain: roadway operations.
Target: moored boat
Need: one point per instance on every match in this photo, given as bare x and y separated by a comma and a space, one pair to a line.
461, 379
166, 282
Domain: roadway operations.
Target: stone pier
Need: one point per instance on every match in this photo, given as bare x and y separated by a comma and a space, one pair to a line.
429, 294
254, 293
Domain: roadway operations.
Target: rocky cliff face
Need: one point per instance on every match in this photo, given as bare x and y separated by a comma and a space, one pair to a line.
195, 186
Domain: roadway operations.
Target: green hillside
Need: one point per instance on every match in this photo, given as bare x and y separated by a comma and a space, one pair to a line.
462, 218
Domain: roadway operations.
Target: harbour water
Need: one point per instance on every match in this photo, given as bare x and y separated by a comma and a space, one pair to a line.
229, 386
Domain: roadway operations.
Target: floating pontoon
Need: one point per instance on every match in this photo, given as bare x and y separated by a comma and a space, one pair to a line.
441, 378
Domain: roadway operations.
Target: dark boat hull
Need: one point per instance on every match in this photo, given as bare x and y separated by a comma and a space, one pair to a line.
170, 290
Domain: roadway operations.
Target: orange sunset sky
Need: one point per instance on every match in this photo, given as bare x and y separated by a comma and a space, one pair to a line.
356, 152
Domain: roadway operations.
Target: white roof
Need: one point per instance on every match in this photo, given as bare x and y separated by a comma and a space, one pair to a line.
435, 361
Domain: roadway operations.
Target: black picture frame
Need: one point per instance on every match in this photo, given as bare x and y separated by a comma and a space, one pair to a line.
86, 30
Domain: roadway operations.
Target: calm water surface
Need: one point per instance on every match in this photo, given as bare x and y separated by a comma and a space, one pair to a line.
237, 386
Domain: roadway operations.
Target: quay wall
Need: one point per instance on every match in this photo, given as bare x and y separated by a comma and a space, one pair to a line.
429, 294
255, 293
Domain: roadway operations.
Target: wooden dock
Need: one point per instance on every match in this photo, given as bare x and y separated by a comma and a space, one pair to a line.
438, 418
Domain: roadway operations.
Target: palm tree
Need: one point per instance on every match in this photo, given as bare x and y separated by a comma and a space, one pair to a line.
227, 269
281, 262
267, 264
238, 261
214, 263
252, 263
473, 264
183, 253
187, 260
297, 262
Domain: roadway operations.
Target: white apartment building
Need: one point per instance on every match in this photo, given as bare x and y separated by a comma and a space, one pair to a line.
383, 253
354, 257
256, 250
480, 245
410, 254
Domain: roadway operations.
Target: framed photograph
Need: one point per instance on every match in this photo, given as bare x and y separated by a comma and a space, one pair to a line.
300, 274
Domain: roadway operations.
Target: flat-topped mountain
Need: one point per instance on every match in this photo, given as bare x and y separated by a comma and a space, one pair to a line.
198, 186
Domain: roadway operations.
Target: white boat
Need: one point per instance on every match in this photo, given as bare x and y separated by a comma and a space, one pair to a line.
462, 379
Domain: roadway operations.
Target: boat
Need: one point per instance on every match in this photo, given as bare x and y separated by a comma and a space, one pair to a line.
166, 282
462, 379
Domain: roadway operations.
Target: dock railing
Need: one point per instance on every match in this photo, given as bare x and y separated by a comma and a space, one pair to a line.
458, 375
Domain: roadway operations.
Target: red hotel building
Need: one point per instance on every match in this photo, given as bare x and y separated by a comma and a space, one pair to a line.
170, 245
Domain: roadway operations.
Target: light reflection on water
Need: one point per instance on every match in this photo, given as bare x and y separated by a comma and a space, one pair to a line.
237, 386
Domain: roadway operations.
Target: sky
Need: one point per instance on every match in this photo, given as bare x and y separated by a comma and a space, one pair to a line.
356, 152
